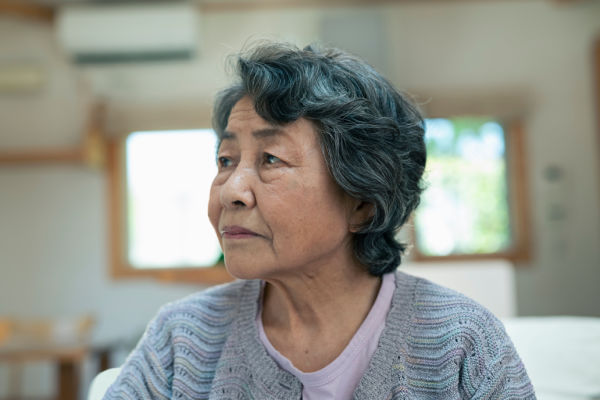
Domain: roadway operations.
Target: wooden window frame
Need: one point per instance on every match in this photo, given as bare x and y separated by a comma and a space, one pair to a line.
25, 9
518, 202
596, 78
120, 268
520, 250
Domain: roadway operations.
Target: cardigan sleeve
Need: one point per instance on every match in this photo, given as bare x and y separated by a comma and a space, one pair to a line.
493, 367
148, 371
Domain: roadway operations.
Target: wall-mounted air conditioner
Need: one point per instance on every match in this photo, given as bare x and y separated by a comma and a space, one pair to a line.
130, 32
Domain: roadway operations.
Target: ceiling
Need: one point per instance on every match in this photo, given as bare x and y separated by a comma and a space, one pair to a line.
44, 9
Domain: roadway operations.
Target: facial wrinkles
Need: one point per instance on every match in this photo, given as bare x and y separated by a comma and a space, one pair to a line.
273, 185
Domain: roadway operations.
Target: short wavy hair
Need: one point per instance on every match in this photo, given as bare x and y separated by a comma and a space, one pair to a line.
371, 135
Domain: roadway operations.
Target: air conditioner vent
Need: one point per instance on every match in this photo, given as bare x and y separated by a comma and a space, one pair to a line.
117, 33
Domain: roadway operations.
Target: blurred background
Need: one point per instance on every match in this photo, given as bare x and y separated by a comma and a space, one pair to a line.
106, 153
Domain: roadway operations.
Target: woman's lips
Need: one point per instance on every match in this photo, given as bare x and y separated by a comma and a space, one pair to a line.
237, 232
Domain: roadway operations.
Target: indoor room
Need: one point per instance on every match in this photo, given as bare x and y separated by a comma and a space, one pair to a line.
107, 154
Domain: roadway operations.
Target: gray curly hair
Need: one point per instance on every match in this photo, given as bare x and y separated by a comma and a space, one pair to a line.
372, 137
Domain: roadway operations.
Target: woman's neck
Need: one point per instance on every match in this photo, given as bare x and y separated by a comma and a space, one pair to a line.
311, 317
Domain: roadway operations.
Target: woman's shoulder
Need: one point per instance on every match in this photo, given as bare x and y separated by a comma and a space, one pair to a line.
212, 307
438, 310
443, 324
188, 335
429, 299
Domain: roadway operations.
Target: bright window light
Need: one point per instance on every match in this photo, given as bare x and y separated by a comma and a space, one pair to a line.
465, 208
169, 174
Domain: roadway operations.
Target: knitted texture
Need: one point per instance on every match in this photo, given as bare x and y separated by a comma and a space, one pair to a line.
437, 344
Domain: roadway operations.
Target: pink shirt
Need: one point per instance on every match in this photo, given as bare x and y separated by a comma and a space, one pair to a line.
338, 379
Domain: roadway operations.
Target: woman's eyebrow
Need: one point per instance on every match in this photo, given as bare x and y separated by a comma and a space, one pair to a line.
227, 135
258, 134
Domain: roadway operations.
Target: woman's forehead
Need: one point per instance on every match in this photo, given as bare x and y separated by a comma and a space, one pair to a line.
244, 121
244, 115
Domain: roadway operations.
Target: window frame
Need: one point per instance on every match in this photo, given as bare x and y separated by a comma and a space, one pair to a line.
519, 208
596, 78
120, 268
518, 202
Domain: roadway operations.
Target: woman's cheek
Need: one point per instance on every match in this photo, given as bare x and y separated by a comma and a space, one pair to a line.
214, 206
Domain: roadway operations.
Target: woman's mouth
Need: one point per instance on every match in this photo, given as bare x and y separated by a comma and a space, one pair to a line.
237, 232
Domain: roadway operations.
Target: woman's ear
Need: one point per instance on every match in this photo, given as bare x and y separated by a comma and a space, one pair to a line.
362, 212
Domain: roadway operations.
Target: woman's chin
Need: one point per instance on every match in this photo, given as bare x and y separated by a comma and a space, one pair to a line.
242, 270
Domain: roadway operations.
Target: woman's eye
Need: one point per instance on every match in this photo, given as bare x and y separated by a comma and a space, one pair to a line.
271, 159
223, 162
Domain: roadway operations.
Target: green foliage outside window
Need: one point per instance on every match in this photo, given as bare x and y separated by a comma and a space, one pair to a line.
464, 209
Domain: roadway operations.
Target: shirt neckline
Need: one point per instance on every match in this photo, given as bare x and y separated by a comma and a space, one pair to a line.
387, 361
335, 368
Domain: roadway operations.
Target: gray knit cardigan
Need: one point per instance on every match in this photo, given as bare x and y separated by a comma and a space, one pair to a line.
437, 344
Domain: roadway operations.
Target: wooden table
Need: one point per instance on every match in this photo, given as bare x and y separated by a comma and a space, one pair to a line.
67, 357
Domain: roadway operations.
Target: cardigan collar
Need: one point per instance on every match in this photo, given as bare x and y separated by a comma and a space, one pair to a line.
385, 370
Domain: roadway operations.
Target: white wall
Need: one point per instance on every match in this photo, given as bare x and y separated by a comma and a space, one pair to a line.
53, 219
543, 51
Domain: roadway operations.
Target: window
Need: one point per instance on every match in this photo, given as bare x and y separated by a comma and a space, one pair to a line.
473, 205
160, 184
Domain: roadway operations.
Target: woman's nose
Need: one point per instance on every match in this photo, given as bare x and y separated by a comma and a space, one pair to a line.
237, 191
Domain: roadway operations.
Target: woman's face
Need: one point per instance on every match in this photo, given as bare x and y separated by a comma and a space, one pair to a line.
273, 203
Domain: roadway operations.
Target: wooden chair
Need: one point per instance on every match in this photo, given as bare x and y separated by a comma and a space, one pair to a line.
29, 340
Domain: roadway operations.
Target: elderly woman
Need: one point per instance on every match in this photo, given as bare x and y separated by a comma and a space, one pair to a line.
319, 164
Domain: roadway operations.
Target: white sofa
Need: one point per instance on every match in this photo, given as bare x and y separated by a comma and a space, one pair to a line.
561, 355
101, 383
